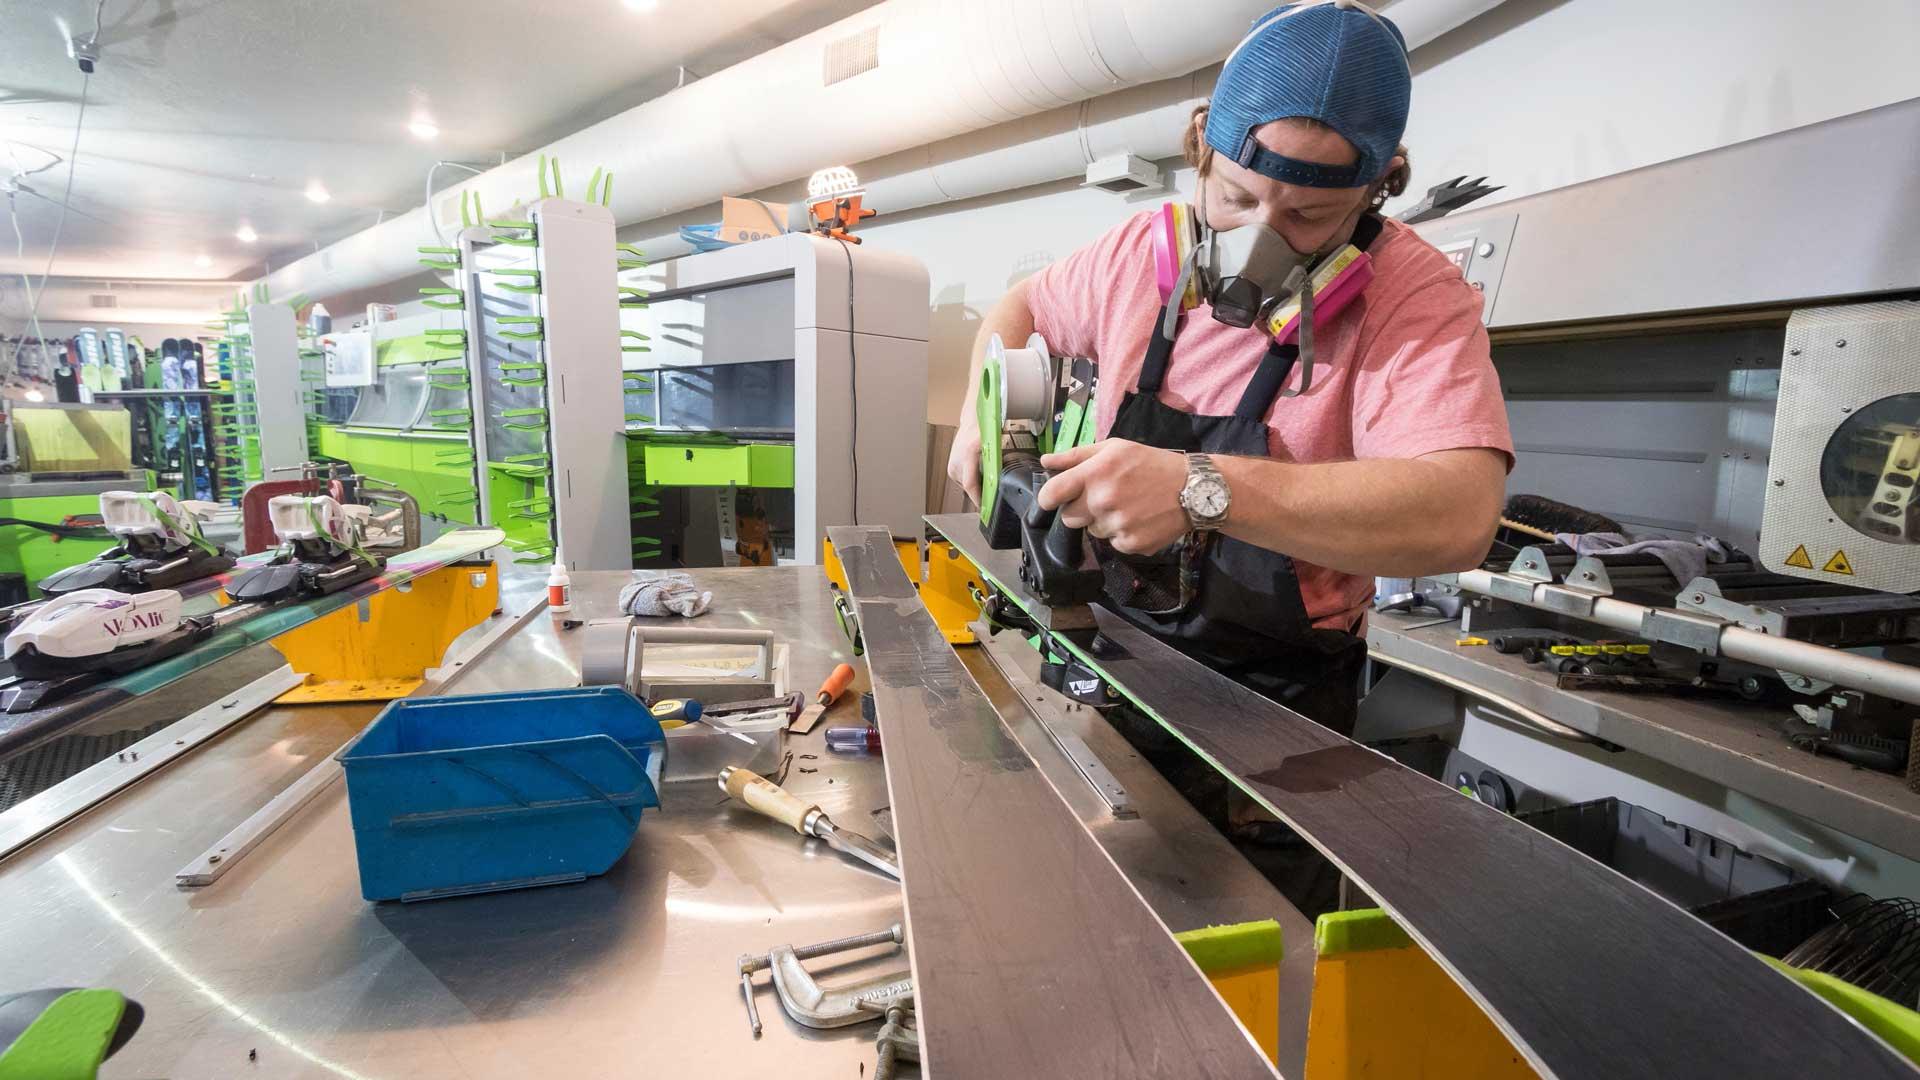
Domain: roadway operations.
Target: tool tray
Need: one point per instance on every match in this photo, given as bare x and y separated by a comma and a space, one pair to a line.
480, 793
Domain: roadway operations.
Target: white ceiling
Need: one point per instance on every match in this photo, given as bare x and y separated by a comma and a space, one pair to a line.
204, 115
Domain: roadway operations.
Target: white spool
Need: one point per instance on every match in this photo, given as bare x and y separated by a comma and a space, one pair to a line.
1026, 380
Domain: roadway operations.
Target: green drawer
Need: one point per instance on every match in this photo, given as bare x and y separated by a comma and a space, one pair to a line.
709, 464
772, 464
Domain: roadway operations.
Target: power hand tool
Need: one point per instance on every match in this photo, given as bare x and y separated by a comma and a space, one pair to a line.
1031, 404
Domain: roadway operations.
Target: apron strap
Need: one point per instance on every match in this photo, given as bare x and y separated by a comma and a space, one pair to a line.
1275, 366
1366, 231
1264, 388
1153, 370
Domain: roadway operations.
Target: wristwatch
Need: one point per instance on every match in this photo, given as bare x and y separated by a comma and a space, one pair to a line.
1206, 496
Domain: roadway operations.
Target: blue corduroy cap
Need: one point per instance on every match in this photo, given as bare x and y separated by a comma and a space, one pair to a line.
1327, 60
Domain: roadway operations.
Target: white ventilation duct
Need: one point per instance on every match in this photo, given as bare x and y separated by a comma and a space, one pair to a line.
904, 74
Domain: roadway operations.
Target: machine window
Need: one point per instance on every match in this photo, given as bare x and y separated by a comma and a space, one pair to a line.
1869, 468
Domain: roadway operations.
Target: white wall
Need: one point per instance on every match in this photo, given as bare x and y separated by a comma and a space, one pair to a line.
1536, 94
976, 250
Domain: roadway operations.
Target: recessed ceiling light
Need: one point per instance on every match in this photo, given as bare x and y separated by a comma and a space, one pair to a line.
246, 235
202, 261
317, 192
642, 5
423, 128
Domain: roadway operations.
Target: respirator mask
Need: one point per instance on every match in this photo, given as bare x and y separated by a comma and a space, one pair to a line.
1246, 272
1250, 276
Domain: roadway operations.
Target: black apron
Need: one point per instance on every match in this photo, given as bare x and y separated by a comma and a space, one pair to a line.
1244, 614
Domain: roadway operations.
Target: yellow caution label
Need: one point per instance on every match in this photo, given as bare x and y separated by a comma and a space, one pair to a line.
1839, 564
1470, 641
1587, 650
1640, 650
1800, 558
1614, 650
1560, 650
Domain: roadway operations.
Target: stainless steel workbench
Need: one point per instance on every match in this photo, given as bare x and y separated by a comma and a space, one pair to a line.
627, 974
1731, 743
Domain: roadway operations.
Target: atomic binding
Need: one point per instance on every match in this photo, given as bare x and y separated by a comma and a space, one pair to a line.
320, 552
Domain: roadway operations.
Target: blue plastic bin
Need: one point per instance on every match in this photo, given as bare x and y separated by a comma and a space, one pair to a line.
473, 794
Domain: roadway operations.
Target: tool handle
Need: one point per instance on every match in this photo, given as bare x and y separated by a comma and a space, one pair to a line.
767, 797
835, 685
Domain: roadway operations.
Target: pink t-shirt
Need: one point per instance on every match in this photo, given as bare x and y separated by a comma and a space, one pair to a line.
1403, 371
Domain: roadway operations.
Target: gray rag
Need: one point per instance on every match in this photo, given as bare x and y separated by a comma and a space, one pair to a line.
658, 593
1685, 559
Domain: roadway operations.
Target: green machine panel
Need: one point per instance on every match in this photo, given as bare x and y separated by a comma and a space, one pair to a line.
36, 554
698, 464
410, 461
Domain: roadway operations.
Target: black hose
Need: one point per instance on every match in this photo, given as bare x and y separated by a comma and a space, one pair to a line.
65, 532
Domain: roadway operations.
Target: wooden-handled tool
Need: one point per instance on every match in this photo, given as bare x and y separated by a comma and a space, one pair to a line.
803, 817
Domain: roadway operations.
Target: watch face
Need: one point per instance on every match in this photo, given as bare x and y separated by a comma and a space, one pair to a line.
1209, 498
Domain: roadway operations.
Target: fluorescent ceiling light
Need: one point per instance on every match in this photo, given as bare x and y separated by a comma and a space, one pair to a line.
202, 261
423, 128
246, 234
317, 192
642, 5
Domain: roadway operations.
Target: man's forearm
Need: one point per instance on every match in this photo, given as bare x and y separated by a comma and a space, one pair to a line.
1387, 517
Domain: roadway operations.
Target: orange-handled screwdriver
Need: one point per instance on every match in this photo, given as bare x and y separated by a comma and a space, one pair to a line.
828, 693
835, 685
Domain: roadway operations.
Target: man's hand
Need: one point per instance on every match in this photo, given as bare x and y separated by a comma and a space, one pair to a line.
1123, 492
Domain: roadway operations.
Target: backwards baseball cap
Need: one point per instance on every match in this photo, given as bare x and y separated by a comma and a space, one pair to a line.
1334, 61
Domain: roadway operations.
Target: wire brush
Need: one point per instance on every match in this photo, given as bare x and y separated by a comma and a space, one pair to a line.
1531, 512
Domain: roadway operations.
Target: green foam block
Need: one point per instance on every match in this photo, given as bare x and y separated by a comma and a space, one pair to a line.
1228, 948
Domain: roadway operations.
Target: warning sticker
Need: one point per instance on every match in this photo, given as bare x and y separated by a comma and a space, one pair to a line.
1800, 558
1839, 564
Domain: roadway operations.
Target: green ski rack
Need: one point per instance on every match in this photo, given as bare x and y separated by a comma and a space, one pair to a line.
537, 333
436, 258
532, 284
433, 295
531, 239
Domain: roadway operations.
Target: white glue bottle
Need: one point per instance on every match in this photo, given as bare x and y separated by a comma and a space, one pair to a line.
559, 589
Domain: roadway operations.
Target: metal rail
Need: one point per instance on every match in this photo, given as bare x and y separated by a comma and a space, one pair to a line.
99, 782
1705, 634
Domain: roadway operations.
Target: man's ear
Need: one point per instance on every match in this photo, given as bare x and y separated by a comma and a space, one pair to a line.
1393, 181
1193, 144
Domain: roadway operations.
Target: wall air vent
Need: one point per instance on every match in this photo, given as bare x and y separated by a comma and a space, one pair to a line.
851, 55
1123, 174
103, 300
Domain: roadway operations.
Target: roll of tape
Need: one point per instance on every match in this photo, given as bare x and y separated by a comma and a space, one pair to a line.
604, 652
1026, 380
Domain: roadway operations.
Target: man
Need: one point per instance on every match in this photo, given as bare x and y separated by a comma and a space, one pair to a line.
1246, 490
